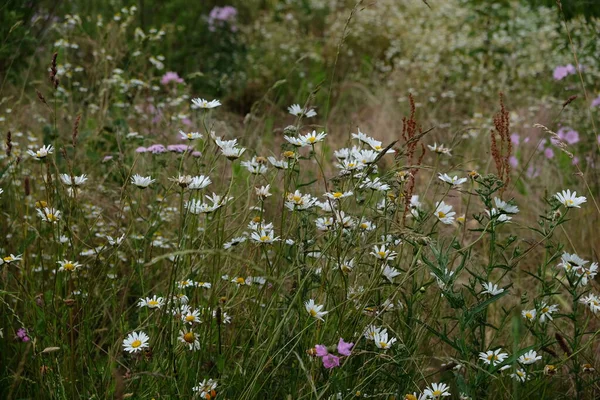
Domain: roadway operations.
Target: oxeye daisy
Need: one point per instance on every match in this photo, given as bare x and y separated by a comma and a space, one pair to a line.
505, 207
491, 288
202, 103
199, 182
545, 312
206, 389
382, 340
592, 301
73, 181
190, 339
529, 358
312, 138
279, 164
519, 375
190, 135
315, 310
337, 195
437, 391
142, 181
49, 214
136, 341
70, 266
10, 259
42, 153
151, 302
263, 192
298, 111
493, 357
382, 253
453, 181
529, 315
440, 149
191, 317
570, 200
444, 213
389, 272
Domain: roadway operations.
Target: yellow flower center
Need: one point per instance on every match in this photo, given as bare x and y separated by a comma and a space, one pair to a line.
383, 345
378, 148
136, 343
189, 135
297, 198
337, 195
153, 302
189, 337
256, 219
363, 225
410, 397
545, 310
529, 315
312, 139
437, 393
8, 259
190, 318
569, 202
288, 154
51, 217
381, 254
265, 238
313, 312
240, 281
441, 214
69, 266
492, 357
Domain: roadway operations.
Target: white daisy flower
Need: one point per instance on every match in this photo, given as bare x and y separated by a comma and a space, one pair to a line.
315, 310
337, 195
199, 182
136, 341
493, 357
142, 181
312, 138
201, 103
505, 207
74, 181
190, 135
437, 391
440, 149
454, 181
151, 302
529, 358
49, 214
382, 253
189, 339
444, 212
545, 312
529, 314
191, 317
67, 265
382, 341
491, 288
570, 200
42, 153
389, 272
298, 111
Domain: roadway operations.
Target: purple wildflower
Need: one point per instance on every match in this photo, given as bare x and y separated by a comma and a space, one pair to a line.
344, 348
156, 149
331, 361
596, 102
179, 148
321, 350
513, 161
170, 77
22, 334
141, 149
549, 153
222, 16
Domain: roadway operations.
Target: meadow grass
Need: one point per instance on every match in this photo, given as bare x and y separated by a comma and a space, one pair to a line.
156, 245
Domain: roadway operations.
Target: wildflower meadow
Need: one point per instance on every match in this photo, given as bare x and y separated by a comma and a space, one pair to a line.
300, 199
